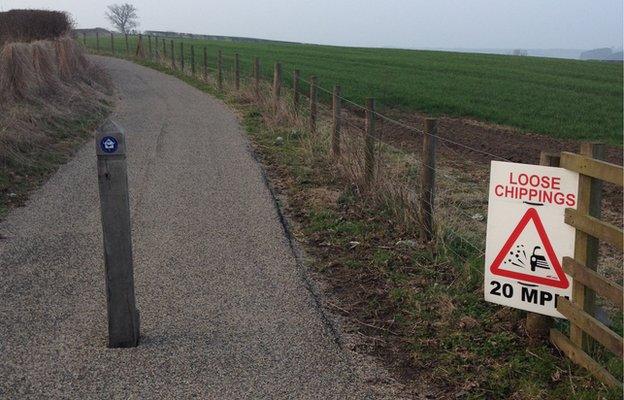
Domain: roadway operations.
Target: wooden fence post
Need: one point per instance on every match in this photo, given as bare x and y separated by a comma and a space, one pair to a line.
112, 37
164, 51
257, 77
84, 38
205, 63
182, 56
97, 41
140, 51
237, 71
123, 317
336, 121
220, 71
586, 246
149, 45
173, 65
427, 179
369, 150
193, 60
127, 46
537, 325
277, 85
296, 75
313, 105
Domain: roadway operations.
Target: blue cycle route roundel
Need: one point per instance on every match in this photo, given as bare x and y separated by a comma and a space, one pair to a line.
109, 144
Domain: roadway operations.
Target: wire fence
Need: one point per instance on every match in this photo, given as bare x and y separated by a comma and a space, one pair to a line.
398, 162
460, 202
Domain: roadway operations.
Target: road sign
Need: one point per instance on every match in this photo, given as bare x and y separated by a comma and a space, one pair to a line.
527, 237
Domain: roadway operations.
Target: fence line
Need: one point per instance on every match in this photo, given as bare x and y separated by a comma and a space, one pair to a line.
316, 106
419, 179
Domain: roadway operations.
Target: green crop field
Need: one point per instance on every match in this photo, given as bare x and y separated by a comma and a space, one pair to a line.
561, 98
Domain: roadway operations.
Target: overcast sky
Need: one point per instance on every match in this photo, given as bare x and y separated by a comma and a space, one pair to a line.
571, 24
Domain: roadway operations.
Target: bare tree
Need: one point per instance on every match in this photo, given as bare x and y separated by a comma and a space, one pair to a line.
123, 16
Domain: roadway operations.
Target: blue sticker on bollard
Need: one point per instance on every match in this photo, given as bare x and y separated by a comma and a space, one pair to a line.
109, 144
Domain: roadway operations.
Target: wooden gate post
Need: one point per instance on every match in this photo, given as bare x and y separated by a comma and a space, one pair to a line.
257, 77
193, 60
123, 317
369, 150
173, 65
427, 179
97, 41
313, 105
277, 85
538, 325
336, 119
127, 46
586, 246
296, 75
236, 71
182, 56
112, 36
205, 63
220, 71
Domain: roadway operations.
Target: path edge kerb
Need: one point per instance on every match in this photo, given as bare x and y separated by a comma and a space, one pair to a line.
297, 251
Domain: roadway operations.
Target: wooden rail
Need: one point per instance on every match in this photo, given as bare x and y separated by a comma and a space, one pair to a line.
585, 329
594, 227
593, 168
581, 358
589, 278
589, 324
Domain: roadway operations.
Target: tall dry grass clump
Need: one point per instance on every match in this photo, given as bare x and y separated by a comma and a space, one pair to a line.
39, 70
17, 74
50, 97
46, 70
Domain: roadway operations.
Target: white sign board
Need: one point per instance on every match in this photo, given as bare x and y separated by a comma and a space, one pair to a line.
527, 237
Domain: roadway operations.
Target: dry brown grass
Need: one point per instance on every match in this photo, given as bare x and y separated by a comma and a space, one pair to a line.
394, 186
49, 92
17, 72
45, 69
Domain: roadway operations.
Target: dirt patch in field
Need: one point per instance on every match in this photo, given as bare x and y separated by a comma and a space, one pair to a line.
488, 141
465, 139
462, 139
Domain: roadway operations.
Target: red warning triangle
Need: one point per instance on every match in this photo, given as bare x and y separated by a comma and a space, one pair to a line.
560, 282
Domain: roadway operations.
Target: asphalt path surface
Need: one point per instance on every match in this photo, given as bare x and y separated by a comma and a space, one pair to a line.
225, 310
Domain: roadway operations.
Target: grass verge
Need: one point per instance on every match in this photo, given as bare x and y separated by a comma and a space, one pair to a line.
421, 308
